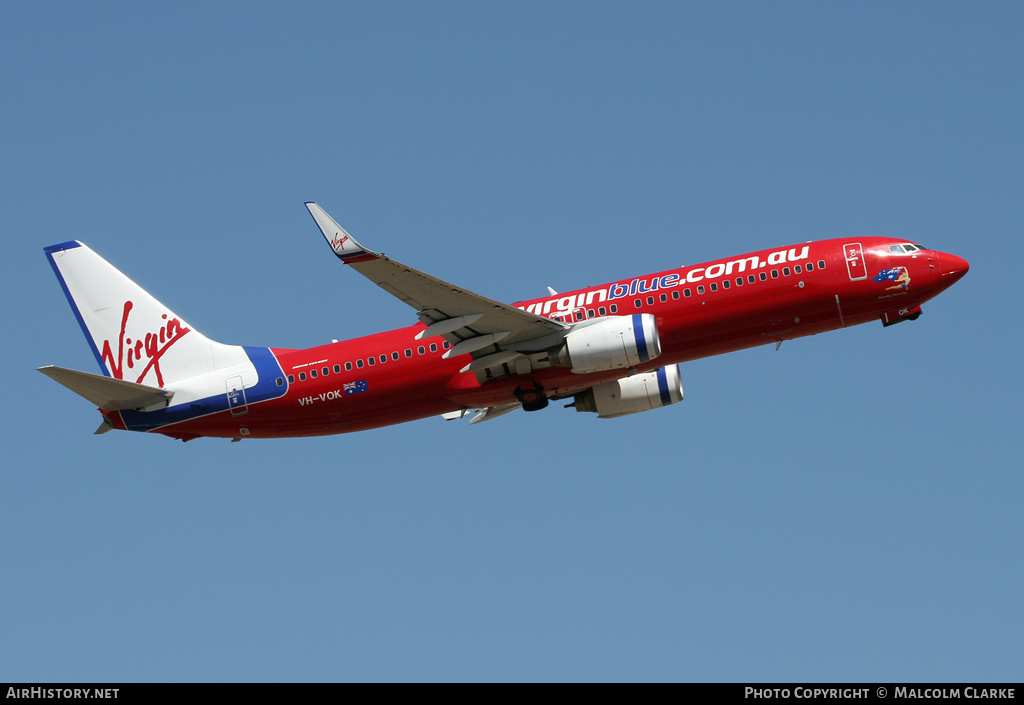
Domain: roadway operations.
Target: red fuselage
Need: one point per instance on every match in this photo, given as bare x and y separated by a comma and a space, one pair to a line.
702, 310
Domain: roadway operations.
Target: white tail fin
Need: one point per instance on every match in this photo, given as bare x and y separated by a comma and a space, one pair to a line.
134, 337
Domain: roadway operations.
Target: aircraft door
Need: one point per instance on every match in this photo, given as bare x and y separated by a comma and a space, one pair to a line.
855, 265
236, 396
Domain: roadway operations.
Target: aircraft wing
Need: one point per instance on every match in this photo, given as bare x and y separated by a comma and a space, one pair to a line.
492, 332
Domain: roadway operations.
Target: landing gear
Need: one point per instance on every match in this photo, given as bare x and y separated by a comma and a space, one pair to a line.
532, 399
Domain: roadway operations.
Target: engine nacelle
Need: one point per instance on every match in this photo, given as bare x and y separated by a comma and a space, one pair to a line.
631, 395
610, 343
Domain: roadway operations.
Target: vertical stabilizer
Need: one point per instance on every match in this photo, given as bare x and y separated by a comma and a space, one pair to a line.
134, 337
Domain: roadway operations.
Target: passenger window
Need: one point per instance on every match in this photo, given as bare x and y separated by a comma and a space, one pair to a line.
750, 279
325, 371
312, 373
614, 308
714, 286
280, 381
590, 313
601, 311
687, 293
810, 266
785, 271
821, 264
796, 268
408, 352
394, 356
739, 281
433, 347
337, 369
302, 376
726, 284
763, 277
447, 345
291, 379
664, 298
675, 294
650, 300
700, 289
637, 303
348, 366
421, 350
383, 359
579, 315
359, 364
372, 361
775, 274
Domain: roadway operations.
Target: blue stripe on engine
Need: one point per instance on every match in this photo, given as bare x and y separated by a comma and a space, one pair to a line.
638, 335
666, 395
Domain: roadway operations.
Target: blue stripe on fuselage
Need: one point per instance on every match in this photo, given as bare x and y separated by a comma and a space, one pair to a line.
267, 369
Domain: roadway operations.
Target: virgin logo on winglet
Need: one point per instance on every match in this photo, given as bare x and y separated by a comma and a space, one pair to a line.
338, 243
148, 349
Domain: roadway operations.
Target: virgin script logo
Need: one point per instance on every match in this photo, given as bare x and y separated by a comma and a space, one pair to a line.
146, 350
338, 243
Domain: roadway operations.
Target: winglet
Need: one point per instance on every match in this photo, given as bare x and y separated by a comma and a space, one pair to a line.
344, 245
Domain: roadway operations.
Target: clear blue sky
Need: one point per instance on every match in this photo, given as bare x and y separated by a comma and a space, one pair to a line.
848, 508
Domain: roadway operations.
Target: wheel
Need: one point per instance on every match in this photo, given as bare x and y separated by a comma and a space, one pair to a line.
532, 399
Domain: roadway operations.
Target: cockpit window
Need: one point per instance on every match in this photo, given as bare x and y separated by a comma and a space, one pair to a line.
907, 247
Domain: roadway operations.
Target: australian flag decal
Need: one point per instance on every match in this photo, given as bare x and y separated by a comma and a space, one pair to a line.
355, 387
888, 275
896, 274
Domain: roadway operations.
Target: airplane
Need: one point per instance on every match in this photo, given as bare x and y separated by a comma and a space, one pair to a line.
612, 350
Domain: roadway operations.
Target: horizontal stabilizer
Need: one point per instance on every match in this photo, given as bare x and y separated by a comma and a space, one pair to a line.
108, 393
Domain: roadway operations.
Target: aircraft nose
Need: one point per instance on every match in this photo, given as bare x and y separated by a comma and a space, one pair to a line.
952, 266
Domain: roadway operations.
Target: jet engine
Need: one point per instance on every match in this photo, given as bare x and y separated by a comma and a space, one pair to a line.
609, 343
631, 395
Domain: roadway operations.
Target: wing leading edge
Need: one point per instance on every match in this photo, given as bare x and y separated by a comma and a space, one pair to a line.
493, 333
